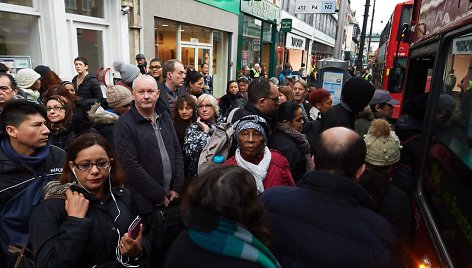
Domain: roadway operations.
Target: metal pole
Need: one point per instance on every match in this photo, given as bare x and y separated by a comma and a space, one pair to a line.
340, 33
361, 46
371, 26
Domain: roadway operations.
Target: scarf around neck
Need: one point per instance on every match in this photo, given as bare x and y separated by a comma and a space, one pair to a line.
258, 171
301, 142
222, 236
31, 95
27, 161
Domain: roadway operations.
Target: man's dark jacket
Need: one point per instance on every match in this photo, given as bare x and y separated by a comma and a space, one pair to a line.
12, 173
138, 152
328, 221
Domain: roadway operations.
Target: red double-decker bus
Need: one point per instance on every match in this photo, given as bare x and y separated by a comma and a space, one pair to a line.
389, 70
439, 66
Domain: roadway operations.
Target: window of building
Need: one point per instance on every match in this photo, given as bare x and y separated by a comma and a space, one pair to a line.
28, 3
251, 40
90, 45
91, 8
19, 36
195, 34
165, 39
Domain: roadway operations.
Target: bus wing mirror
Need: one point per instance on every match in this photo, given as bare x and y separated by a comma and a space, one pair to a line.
405, 33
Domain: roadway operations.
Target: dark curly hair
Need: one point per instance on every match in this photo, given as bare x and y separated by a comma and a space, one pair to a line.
231, 192
185, 98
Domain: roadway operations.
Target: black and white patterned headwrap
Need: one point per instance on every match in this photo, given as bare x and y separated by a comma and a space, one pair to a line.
252, 121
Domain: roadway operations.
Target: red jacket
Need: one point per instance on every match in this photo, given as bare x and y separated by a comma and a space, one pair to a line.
278, 172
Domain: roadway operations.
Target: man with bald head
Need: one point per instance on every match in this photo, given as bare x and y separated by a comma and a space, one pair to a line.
150, 154
329, 219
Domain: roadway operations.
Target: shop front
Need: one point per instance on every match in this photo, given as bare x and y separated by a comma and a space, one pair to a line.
296, 50
320, 51
193, 37
257, 36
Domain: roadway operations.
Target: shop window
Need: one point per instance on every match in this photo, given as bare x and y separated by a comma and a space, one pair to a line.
90, 44
251, 46
28, 3
19, 36
195, 34
448, 175
91, 8
165, 39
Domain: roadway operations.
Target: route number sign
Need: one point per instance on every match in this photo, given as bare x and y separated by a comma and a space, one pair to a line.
315, 7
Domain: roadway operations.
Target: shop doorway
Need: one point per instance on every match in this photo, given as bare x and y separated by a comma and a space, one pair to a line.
195, 55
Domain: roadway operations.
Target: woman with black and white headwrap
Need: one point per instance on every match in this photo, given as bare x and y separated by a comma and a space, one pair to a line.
268, 167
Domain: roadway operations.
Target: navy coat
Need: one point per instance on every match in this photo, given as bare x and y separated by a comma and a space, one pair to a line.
138, 152
328, 222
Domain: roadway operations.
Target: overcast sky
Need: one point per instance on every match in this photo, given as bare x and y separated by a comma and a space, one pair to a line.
383, 11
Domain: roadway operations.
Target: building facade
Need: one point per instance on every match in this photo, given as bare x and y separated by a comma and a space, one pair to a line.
257, 34
193, 32
54, 32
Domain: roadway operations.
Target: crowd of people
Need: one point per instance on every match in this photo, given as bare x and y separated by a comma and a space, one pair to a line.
113, 180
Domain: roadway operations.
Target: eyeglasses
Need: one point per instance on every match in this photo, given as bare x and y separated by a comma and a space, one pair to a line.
55, 108
89, 165
275, 99
157, 67
205, 106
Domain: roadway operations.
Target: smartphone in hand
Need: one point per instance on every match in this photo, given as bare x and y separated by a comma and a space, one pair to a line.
134, 228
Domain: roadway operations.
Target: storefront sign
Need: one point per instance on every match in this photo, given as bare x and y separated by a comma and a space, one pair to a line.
295, 42
462, 45
261, 9
286, 25
315, 7
228, 5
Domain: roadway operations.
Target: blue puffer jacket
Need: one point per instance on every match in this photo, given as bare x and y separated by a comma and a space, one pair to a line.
328, 222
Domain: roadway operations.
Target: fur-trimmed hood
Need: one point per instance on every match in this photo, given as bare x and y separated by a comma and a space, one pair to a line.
98, 115
55, 189
366, 113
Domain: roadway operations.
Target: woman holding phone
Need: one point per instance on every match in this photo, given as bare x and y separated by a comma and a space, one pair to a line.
86, 216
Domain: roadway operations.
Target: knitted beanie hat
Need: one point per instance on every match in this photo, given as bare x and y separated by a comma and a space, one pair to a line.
25, 78
118, 96
383, 145
128, 72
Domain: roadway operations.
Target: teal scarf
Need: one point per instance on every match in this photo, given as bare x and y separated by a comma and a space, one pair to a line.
225, 237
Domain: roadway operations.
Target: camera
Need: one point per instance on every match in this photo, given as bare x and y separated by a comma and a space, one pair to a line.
125, 10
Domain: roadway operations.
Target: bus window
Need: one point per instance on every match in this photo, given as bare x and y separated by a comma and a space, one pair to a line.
397, 74
447, 180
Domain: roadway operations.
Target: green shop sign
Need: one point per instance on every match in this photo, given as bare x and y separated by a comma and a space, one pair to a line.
227, 5
286, 25
261, 9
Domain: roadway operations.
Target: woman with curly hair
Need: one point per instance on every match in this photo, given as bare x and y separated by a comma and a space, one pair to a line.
226, 223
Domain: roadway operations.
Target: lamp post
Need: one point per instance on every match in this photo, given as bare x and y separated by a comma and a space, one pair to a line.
360, 55
371, 26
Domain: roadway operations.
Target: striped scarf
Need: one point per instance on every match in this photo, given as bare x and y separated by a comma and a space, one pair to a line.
225, 237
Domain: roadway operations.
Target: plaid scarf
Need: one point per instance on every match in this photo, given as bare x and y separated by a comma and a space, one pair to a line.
225, 237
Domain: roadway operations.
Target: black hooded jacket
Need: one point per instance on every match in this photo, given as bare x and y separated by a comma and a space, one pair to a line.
356, 94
